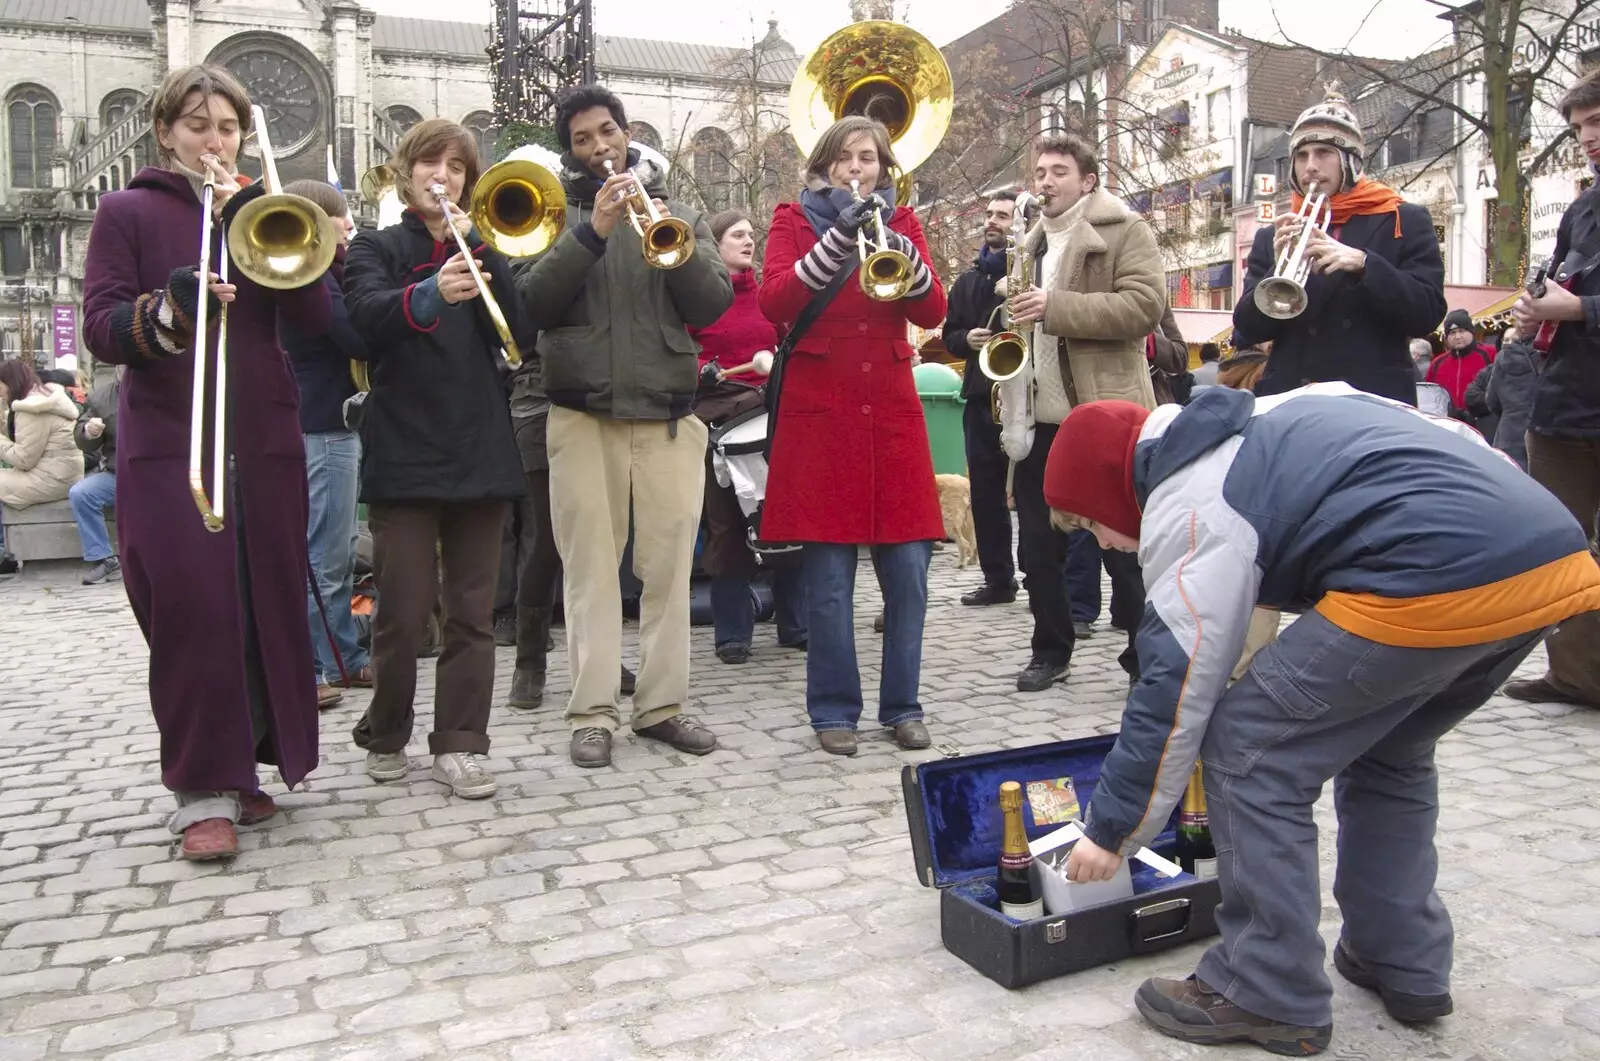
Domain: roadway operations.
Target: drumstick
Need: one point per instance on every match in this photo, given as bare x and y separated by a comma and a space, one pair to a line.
761, 364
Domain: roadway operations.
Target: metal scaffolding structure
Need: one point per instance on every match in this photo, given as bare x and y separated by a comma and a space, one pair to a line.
540, 47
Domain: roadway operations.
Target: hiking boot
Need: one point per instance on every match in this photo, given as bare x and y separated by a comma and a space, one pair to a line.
255, 807
1040, 674
209, 839
912, 736
527, 680
1189, 1010
630, 682
505, 630
682, 733
107, 570
388, 766
734, 652
989, 593
464, 774
837, 741
1403, 1007
1542, 691
591, 746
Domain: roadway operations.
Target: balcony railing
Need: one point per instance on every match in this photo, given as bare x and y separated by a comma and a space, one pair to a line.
111, 159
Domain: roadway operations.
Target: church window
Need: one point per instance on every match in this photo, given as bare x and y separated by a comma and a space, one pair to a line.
117, 106
713, 168
645, 133
403, 118
31, 114
481, 125
13, 262
283, 86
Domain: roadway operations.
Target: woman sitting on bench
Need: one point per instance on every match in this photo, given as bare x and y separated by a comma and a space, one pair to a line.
35, 439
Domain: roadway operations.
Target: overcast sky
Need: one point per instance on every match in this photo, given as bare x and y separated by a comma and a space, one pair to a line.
1392, 28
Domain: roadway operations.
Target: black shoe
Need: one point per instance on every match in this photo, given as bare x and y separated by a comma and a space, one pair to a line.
8, 564
734, 652
1189, 1010
1407, 1008
527, 690
989, 593
630, 682
591, 746
1082, 630
107, 570
1040, 675
505, 630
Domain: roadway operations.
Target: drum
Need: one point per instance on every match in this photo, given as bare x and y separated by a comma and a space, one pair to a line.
739, 459
1433, 399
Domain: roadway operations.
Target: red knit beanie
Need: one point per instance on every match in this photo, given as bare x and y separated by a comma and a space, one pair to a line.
1089, 472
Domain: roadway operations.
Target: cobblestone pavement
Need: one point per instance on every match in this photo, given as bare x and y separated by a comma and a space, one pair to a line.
759, 903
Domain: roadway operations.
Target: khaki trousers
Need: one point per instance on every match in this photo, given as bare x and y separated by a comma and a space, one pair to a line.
597, 467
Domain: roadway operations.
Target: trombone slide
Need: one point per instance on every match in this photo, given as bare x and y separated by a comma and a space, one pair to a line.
211, 506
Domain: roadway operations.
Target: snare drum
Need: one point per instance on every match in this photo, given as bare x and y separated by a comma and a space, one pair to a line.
739, 459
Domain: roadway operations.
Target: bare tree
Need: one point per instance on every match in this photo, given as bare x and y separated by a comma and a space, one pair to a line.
1516, 47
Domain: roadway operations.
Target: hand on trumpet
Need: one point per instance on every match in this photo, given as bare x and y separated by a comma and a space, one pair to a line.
1028, 307
226, 185
1328, 255
455, 280
610, 203
858, 213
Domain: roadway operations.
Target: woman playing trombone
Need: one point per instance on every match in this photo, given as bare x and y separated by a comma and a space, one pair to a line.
850, 461
224, 613
438, 459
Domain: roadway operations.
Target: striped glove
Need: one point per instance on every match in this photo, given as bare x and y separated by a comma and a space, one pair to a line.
921, 275
823, 262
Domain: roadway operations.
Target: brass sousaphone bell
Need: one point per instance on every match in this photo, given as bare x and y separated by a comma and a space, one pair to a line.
885, 71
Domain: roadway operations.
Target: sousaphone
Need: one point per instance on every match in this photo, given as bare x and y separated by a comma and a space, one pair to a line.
885, 71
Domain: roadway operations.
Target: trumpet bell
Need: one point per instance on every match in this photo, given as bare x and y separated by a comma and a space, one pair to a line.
886, 276
1003, 357
519, 208
1280, 297
883, 70
282, 241
668, 243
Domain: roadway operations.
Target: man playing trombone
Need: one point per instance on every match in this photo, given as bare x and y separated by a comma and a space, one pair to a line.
1369, 279
613, 298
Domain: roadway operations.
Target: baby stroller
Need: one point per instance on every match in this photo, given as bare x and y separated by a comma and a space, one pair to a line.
739, 460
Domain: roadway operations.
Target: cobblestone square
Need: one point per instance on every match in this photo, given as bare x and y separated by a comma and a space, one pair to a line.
758, 903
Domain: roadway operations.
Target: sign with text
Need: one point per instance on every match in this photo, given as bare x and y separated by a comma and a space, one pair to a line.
64, 323
1266, 185
1267, 212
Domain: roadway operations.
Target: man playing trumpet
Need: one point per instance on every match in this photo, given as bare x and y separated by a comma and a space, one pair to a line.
1375, 280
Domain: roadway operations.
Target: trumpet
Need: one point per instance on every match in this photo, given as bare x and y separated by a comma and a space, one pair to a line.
1282, 295
211, 506
508, 345
668, 241
885, 272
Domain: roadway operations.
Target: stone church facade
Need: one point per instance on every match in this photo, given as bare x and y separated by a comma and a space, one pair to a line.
330, 74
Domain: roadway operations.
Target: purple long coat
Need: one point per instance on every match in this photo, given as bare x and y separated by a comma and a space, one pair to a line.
184, 582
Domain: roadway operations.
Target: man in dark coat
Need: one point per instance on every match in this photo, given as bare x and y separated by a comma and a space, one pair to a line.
1377, 278
966, 328
1564, 430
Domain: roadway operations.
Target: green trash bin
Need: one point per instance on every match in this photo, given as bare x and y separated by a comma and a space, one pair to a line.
939, 387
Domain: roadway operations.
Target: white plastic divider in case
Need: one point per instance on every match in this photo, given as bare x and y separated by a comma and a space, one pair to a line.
1063, 896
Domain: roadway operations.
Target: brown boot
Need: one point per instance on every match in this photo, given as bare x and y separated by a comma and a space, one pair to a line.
1188, 1009
1543, 691
527, 681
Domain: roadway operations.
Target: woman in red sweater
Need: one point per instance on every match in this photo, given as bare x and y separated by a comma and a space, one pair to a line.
850, 462
734, 340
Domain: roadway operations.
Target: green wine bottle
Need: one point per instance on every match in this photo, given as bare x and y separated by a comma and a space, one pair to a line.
1196, 853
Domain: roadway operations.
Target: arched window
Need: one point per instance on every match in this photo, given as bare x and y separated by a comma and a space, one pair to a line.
780, 169
403, 117
713, 167
645, 133
117, 106
481, 125
31, 114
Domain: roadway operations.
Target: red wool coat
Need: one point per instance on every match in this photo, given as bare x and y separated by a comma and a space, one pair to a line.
850, 460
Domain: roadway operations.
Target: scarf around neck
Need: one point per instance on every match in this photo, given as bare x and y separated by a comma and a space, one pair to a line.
822, 203
582, 186
1367, 197
992, 260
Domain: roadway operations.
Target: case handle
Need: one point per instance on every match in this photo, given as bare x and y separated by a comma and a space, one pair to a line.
1148, 926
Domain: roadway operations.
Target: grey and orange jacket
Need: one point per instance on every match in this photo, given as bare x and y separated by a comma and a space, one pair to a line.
1397, 527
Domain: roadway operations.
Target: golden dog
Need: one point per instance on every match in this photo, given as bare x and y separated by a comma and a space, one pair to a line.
955, 503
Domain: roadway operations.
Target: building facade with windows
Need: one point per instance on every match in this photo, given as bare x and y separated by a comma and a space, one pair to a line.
337, 81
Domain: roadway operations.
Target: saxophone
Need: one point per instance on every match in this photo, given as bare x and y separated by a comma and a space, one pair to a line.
1006, 358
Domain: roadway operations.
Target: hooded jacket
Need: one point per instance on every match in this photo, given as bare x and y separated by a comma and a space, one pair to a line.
613, 331
43, 457
1396, 527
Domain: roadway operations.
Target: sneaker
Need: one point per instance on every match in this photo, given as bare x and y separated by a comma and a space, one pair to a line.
682, 733
1189, 1010
988, 593
734, 652
591, 746
107, 570
388, 766
464, 774
1040, 674
1403, 1007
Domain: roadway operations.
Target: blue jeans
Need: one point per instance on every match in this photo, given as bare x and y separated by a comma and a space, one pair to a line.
733, 607
90, 497
333, 470
833, 680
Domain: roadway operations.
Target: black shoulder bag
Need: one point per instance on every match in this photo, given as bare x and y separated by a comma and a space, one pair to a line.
802, 324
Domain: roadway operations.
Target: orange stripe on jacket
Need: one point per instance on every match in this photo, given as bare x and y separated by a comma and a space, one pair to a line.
1520, 604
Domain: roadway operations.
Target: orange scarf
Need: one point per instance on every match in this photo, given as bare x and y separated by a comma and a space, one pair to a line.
1367, 197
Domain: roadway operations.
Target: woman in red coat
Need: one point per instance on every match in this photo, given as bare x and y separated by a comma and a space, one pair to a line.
850, 463
231, 677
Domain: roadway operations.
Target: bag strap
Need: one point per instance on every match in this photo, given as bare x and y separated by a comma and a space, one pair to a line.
802, 324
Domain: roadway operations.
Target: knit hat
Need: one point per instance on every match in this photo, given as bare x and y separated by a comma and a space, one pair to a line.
1332, 122
1089, 472
1456, 318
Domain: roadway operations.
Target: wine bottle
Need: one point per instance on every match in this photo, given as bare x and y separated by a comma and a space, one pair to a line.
1196, 853
1020, 896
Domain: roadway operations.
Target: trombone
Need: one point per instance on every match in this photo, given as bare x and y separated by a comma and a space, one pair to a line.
668, 241
281, 241
885, 272
1282, 295
210, 506
519, 208
507, 343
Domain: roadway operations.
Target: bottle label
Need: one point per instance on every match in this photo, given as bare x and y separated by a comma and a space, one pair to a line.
1205, 868
1023, 911
1188, 819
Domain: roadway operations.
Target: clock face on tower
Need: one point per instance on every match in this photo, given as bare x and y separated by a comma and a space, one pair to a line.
283, 87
